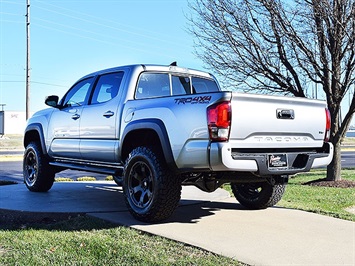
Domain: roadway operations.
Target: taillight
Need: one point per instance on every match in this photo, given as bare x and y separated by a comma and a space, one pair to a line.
327, 125
219, 121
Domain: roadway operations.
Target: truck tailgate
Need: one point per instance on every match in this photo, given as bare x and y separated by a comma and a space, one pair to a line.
261, 121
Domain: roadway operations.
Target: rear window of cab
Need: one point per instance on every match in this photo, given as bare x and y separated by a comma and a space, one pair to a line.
152, 85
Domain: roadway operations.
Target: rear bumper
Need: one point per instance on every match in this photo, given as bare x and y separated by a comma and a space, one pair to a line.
224, 158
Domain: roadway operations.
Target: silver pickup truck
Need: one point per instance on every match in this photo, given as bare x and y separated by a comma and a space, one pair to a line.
155, 128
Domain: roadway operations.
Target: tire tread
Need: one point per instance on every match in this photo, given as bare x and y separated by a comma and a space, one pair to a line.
169, 187
45, 172
268, 197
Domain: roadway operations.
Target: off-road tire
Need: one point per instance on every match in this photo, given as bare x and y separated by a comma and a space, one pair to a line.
258, 195
37, 173
152, 192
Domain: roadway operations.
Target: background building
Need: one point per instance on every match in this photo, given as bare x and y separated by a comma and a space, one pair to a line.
12, 122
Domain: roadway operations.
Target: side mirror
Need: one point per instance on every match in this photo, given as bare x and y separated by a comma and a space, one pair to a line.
52, 101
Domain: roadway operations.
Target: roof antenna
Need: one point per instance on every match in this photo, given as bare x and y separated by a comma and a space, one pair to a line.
173, 63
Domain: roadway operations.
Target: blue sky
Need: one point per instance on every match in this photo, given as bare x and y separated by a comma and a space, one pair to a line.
71, 38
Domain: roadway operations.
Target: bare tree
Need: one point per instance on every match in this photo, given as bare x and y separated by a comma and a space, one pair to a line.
282, 46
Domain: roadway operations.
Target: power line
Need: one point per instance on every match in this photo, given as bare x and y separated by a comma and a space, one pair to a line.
70, 27
89, 37
48, 84
9, 14
103, 23
33, 82
11, 21
12, 81
148, 51
93, 20
11, 2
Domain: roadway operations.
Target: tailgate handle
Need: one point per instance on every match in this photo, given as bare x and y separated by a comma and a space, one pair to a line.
285, 114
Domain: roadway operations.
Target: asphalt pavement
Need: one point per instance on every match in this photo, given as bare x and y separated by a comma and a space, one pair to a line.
212, 221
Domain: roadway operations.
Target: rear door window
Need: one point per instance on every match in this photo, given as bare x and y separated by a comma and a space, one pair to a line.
107, 87
151, 85
181, 85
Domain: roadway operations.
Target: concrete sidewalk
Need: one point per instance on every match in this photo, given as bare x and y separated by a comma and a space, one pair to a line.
212, 221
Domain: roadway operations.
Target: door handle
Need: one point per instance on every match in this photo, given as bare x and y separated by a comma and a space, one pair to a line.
108, 114
75, 117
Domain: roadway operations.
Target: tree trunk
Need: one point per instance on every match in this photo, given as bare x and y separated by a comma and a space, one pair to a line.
334, 168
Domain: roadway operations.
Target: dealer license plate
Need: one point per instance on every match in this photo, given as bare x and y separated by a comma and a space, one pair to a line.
277, 160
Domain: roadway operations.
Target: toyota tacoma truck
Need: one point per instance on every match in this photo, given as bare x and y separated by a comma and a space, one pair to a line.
155, 128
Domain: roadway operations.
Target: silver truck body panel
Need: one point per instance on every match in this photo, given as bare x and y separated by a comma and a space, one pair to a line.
177, 119
261, 125
255, 122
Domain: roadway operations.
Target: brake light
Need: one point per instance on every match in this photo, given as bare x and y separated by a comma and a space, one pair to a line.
327, 125
219, 121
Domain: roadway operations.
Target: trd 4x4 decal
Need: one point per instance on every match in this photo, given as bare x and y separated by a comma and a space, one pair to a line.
193, 100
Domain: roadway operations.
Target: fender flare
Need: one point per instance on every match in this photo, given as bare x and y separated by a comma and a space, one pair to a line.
39, 129
159, 128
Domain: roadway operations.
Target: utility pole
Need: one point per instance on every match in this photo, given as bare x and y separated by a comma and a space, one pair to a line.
28, 61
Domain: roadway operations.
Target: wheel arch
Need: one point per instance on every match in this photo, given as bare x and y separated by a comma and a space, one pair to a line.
144, 133
34, 132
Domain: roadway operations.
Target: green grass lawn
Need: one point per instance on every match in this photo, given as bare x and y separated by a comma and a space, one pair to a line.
89, 241
329, 201
324, 200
